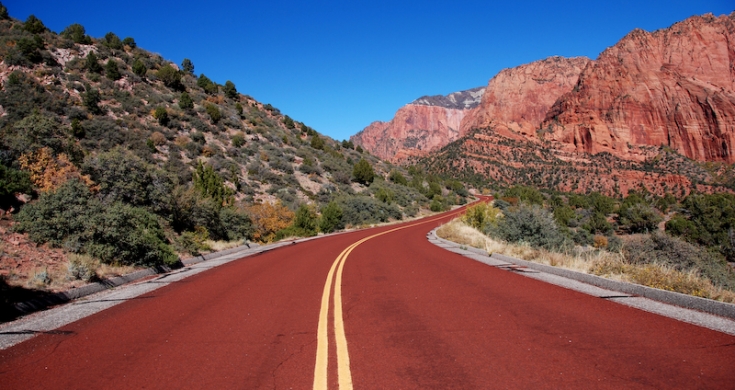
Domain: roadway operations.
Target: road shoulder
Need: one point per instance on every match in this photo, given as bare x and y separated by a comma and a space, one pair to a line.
707, 313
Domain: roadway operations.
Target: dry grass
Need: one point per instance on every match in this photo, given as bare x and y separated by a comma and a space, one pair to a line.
217, 246
596, 262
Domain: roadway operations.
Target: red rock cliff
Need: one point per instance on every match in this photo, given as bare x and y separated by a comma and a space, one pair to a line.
425, 125
672, 87
518, 98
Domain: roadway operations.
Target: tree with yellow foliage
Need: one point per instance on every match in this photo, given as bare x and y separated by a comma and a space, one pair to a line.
48, 172
268, 219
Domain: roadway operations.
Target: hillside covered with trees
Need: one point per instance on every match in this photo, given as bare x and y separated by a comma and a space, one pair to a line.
114, 154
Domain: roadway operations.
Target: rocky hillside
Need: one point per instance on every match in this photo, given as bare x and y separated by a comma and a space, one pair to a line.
426, 124
673, 87
112, 154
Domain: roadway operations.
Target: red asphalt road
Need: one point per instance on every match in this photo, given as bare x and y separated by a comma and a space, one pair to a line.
416, 317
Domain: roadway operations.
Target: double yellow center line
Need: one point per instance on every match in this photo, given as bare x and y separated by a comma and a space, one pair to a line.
322, 350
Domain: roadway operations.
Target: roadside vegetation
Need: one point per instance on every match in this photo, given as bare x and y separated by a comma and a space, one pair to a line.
621, 239
114, 155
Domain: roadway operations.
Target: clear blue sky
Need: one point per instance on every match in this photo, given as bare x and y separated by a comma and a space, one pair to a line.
339, 65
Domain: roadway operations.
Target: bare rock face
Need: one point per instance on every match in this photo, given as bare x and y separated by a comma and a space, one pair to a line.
424, 125
517, 99
674, 87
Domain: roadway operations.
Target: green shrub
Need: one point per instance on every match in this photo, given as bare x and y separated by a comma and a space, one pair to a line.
564, 215
60, 216
660, 248
139, 68
122, 176
185, 102
111, 70
384, 195
230, 90
211, 185
317, 142
363, 172
331, 218
238, 140
112, 41
170, 77
305, 223
91, 99
214, 113
707, 220
597, 223
638, 217
34, 25
128, 235
76, 33
396, 177
187, 66
359, 210
530, 224
13, 181
92, 64
481, 216
207, 85
161, 115
525, 194
437, 204
235, 223
130, 42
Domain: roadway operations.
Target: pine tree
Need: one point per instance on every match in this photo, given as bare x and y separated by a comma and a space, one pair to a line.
363, 172
92, 64
111, 70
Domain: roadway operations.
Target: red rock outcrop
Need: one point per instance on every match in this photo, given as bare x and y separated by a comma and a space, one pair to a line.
518, 99
515, 102
425, 125
673, 87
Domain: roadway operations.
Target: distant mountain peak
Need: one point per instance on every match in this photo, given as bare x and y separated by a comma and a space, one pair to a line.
463, 100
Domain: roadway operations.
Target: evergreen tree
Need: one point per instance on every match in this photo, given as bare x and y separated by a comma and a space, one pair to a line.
130, 42
92, 64
91, 100
187, 66
331, 219
161, 115
3, 12
230, 90
214, 113
76, 33
317, 142
211, 185
111, 70
170, 77
34, 25
113, 41
207, 85
185, 102
363, 172
139, 68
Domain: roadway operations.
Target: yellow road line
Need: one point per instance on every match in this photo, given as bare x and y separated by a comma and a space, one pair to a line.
322, 350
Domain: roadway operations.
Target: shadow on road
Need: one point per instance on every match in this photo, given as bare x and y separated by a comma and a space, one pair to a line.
10, 295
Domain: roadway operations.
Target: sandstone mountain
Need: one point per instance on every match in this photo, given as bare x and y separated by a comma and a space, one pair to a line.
644, 114
673, 87
518, 99
424, 125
